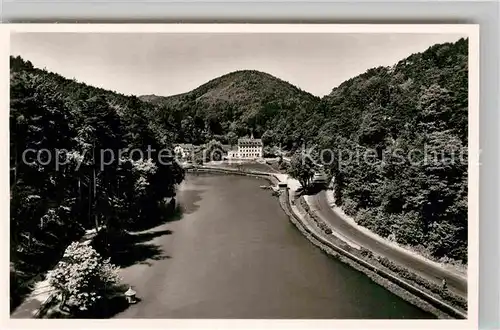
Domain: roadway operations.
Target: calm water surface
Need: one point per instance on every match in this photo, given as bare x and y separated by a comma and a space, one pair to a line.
234, 254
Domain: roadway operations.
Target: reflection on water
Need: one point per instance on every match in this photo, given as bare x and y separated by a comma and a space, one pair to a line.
234, 254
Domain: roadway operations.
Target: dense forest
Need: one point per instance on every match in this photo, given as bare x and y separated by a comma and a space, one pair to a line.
56, 195
419, 104
413, 116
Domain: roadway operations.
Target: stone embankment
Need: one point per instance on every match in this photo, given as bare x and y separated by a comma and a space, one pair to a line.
322, 236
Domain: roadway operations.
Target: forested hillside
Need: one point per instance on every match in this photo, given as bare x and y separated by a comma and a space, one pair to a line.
56, 196
417, 107
238, 104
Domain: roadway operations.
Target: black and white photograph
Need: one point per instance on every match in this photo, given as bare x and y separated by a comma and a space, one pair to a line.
243, 173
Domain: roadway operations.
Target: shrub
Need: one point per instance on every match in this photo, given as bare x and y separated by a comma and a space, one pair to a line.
83, 277
376, 221
304, 205
408, 229
349, 207
366, 253
431, 286
445, 240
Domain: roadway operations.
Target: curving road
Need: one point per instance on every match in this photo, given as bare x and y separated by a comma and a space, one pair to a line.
424, 268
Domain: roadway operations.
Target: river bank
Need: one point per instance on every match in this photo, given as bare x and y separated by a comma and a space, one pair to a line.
233, 253
383, 271
420, 292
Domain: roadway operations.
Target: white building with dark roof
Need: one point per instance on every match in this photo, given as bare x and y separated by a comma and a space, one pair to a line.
249, 148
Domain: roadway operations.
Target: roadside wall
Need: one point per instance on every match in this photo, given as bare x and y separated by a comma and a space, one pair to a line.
322, 242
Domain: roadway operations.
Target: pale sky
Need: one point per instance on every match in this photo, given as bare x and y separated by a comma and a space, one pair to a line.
167, 64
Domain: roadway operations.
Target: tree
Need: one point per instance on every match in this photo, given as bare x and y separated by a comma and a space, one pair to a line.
268, 138
408, 229
435, 107
232, 138
82, 277
302, 169
188, 129
268, 151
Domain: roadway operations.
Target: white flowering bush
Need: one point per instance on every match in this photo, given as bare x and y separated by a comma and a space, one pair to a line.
83, 276
144, 167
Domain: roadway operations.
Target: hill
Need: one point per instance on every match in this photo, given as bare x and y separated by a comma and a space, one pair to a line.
237, 104
411, 121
